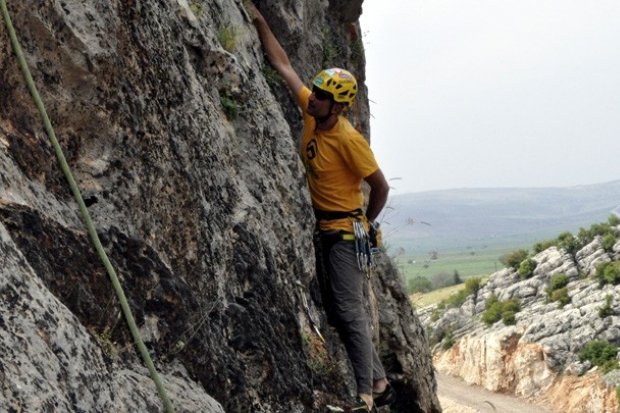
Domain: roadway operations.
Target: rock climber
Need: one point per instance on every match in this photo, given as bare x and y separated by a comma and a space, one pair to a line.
337, 159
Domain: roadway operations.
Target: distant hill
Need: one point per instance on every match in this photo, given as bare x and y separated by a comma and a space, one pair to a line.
498, 216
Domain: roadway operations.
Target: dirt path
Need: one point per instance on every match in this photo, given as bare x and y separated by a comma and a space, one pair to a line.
456, 396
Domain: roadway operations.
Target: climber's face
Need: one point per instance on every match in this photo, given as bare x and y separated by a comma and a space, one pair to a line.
320, 103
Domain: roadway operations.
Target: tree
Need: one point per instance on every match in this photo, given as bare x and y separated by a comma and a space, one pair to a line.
442, 279
457, 278
472, 286
419, 285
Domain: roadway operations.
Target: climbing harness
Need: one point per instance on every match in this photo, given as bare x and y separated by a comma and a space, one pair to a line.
135, 332
365, 244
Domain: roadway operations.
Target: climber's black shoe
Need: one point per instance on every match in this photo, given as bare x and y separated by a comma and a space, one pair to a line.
386, 397
360, 405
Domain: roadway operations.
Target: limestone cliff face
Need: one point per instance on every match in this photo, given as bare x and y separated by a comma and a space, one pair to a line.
183, 143
538, 357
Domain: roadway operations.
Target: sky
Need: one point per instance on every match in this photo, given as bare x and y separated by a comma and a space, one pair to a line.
493, 93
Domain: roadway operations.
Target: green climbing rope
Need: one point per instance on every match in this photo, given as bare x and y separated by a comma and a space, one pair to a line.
85, 214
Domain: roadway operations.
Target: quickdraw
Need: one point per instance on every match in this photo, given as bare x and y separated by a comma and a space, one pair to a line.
364, 251
313, 322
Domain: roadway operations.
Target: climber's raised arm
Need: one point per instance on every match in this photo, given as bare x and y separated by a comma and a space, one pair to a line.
275, 53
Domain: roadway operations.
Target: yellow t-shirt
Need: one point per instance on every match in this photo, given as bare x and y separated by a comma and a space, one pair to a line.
336, 162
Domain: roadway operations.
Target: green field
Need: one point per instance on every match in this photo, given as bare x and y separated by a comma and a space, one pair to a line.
469, 261
433, 297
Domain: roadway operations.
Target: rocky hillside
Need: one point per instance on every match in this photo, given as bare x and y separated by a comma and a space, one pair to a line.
182, 143
531, 342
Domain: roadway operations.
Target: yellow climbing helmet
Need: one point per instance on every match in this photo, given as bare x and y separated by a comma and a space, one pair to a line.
339, 82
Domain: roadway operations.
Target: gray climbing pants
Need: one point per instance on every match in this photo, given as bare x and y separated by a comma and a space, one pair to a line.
347, 289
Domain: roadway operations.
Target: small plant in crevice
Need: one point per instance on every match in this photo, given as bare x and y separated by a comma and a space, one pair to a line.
560, 296
356, 49
104, 338
330, 49
607, 310
273, 78
448, 340
227, 36
197, 8
317, 358
429, 334
557, 291
229, 105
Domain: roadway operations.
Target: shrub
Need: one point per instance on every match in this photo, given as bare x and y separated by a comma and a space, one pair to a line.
600, 353
599, 229
560, 296
493, 314
608, 242
457, 299
613, 220
604, 230
511, 305
527, 267
500, 310
508, 317
541, 246
607, 310
492, 300
568, 242
558, 281
473, 285
514, 259
608, 273
448, 341
557, 290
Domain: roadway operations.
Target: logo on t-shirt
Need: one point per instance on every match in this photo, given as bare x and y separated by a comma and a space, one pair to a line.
311, 149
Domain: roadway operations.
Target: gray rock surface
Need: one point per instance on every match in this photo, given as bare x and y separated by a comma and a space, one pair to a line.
183, 144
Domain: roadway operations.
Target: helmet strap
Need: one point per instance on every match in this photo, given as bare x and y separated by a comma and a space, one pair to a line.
323, 119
